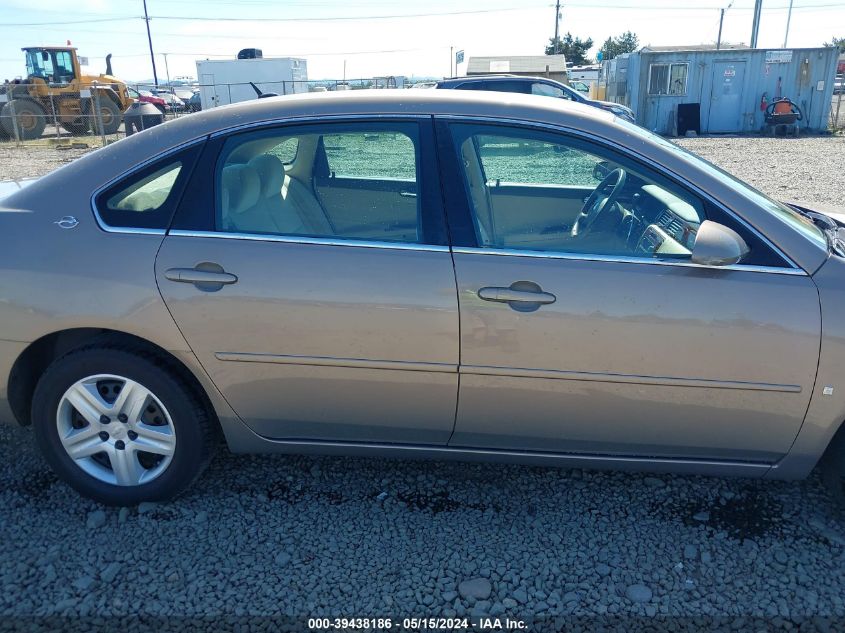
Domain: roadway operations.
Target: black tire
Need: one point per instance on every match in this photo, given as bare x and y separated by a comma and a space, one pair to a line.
30, 117
195, 436
832, 468
109, 115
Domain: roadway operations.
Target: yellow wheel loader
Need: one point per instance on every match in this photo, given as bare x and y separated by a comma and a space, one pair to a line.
56, 90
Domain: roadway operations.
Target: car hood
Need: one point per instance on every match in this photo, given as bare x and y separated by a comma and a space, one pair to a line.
835, 211
8, 187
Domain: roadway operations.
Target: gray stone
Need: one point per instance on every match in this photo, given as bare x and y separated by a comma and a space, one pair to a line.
83, 583
690, 552
509, 603
64, 605
702, 516
653, 482
638, 593
449, 596
282, 559
146, 506
109, 573
602, 569
123, 515
520, 596
96, 519
476, 588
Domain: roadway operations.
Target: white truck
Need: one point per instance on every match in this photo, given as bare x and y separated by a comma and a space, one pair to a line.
224, 81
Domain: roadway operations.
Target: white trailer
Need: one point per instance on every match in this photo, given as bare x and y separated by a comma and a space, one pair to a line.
225, 81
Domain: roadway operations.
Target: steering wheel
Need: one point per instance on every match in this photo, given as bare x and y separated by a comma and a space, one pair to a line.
603, 197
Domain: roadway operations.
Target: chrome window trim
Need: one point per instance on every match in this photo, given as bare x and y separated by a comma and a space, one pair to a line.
625, 150
317, 241
588, 257
311, 118
127, 173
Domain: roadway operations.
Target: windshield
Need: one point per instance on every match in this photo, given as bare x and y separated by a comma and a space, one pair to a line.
37, 65
789, 216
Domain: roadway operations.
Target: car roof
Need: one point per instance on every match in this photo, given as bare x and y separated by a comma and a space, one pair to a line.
496, 77
375, 103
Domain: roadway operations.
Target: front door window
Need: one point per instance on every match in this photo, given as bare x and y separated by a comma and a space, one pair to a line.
535, 191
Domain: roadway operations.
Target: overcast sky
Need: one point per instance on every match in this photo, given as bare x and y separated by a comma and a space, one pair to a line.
379, 37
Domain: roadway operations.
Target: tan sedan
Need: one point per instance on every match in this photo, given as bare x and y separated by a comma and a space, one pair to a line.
443, 274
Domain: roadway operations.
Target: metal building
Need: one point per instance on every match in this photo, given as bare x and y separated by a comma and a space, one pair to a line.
720, 91
551, 66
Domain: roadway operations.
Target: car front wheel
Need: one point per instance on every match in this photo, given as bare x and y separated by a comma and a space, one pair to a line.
120, 425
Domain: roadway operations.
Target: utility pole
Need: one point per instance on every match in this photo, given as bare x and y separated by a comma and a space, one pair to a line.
788, 20
755, 27
721, 20
150, 40
557, 25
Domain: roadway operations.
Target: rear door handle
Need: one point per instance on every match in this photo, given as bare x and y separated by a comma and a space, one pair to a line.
507, 295
194, 276
207, 276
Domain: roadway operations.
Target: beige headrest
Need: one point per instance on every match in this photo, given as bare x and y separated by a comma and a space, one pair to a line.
241, 186
271, 171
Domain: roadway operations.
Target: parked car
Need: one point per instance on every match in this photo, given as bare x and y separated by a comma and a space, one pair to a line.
194, 104
533, 85
171, 101
839, 85
145, 96
315, 273
580, 86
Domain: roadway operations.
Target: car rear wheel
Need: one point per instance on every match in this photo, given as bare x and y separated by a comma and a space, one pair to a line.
120, 426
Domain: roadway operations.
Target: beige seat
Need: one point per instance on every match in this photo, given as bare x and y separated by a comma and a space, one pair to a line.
274, 211
259, 197
241, 188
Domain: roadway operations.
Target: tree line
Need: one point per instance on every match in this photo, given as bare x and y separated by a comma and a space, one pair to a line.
575, 49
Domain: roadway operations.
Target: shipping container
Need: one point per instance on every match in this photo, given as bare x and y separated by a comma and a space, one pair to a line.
224, 81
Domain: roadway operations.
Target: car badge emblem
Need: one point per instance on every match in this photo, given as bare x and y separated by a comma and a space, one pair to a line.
67, 222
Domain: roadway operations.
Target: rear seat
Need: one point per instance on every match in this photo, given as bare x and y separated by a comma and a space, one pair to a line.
259, 197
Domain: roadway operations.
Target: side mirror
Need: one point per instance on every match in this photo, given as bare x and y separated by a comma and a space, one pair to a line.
717, 245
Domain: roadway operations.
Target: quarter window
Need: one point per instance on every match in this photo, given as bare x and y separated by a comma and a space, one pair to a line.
337, 181
668, 79
147, 198
531, 190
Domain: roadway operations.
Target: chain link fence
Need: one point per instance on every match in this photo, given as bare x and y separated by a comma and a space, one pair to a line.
35, 113
837, 106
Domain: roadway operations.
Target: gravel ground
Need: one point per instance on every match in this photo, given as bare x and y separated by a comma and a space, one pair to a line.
810, 168
31, 161
261, 535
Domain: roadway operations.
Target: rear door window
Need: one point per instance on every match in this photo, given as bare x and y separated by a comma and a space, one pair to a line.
335, 181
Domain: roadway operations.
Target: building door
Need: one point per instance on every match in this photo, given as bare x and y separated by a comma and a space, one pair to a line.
726, 104
208, 92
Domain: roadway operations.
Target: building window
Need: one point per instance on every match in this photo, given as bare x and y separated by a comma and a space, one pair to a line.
668, 79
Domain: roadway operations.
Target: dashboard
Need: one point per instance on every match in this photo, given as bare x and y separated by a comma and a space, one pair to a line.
660, 223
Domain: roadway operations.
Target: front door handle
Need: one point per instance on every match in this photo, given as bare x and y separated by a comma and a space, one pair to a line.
523, 296
206, 276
